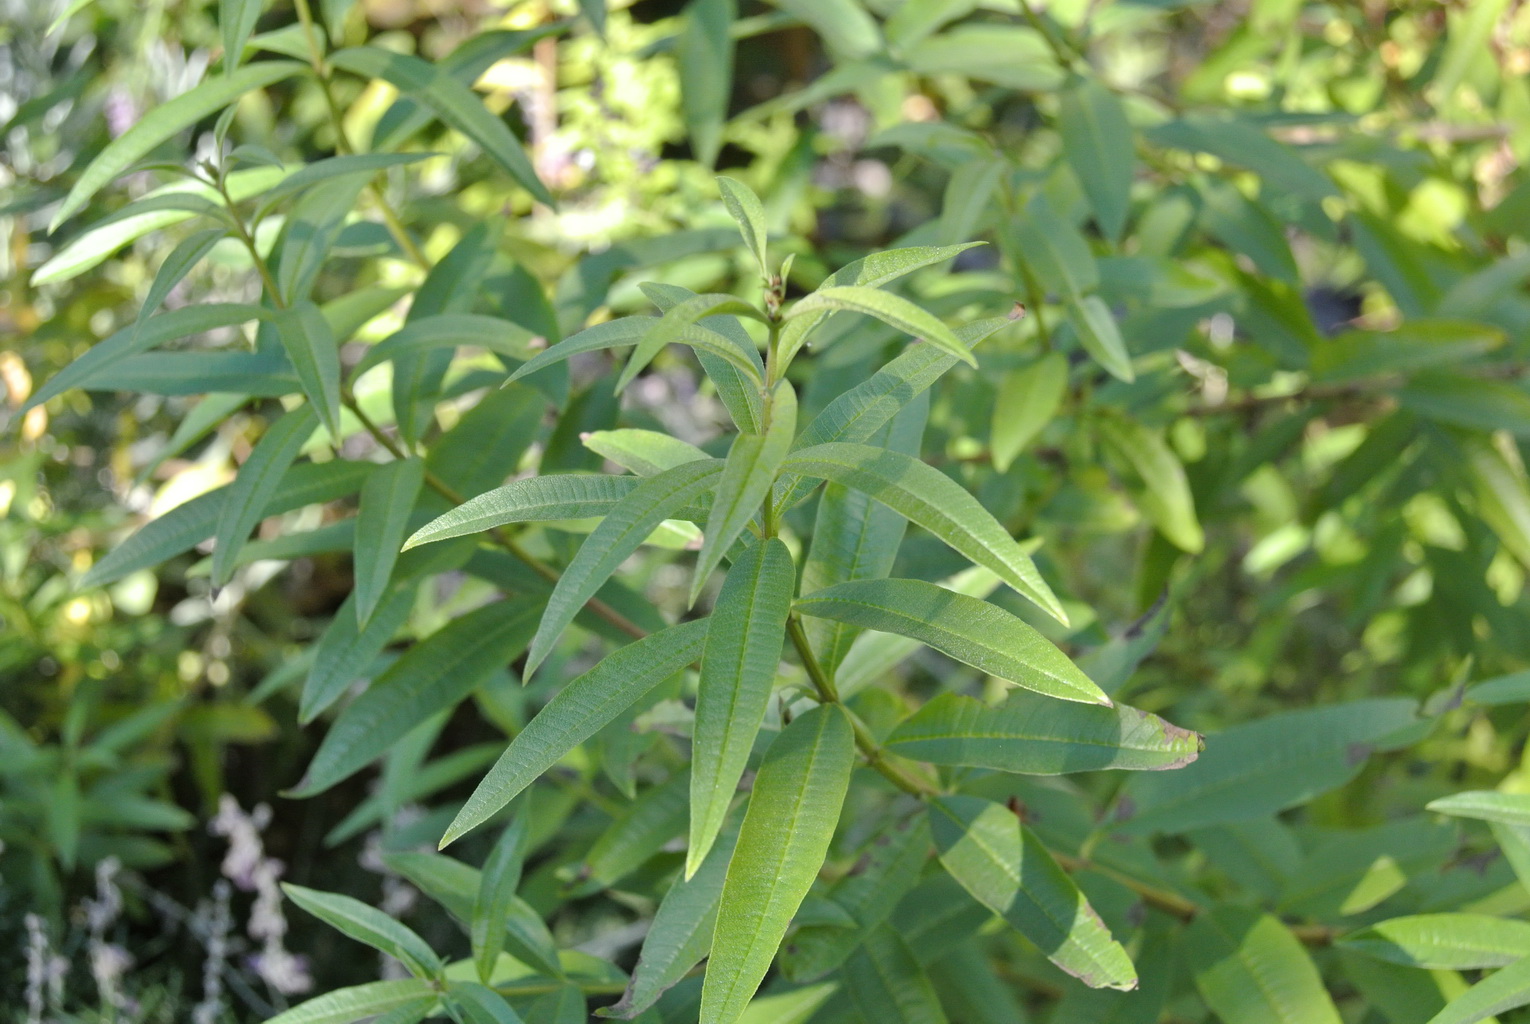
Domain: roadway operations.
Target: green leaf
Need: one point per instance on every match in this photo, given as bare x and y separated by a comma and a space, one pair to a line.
642, 830
680, 324
1042, 737
1241, 142
368, 925
926, 496
893, 310
1506, 989
481, 1004
744, 207
1097, 140
311, 346
704, 53
845, 25
1027, 401
256, 484
266, 374
1097, 331
793, 810
536, 499
490, 440
450, 330
310, 231
1485, 805
1260, 767
1503, 495
387, 500
644, 452
886, 982
434, 675
1005, 867
329, 168
681, 932
99, 363
1055, 252
161, 123
1166, 498
578, 711
1454, 942
450, 100
1006, 55
236, 19
738, 668
747, 477
360, 1002
740, 392
973, 632
1249, 968
1415, 345
627, 524
496, 889
346, 650
182, 259
626, 330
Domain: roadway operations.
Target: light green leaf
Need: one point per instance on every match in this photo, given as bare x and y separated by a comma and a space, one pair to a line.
1455, 942
793, 810
627, 524
449, 330
704, 53
1506, 989
1260, 767
644, 452
626, 330
1250, 969
537, 499
974, 632
738, 667
740, 392
845, 25
1503, 496
1242, 142
887, 984
926, 496
1055, 252
893, 310
360, 1002
481, 1004
387, 500
1166, 498
310, 231
1011, 56
1028, 399
368, 925
311, 346
1097, 331
182, 259
320, 171
256, 484
578, 711
434, 675
744, 207
1485, 805
1042, 737
1005, 867
236, 19
1097, 140
746, 481
680, 324
161, 123
450, 100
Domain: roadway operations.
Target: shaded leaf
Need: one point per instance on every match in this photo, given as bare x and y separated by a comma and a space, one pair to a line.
368, 925
255, 485
387, 500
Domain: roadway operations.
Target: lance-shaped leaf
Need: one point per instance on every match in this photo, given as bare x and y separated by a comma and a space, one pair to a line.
182, 259
748, 624
368, 925
627, 330
747, 478
236, 19
681, 932
1098, 332
347, 650
387, 499
1032, 736
310, 344
496, 888
579, 711
739, 391
927, 497
360, 1002
625, 527
745, 209
161, 123
449, 330
886, 982
480, 1004
1097, 140
1250, 968
1166, 498
973, 632
1005, 867
873, 271
255, 485
451, 101
320, 171
1503, 496
644, 452
1028, 398
680, 324
537, 499
648, 824
1486, 805
704, 54
793, 810
1506, 989
1452, 942
433, 676
893, 310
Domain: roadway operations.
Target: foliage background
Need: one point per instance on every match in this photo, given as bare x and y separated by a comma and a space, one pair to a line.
1312, 484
